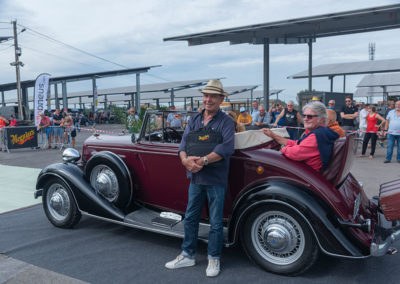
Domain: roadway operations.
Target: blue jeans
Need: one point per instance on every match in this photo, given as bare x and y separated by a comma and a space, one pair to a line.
391, 140
197, 197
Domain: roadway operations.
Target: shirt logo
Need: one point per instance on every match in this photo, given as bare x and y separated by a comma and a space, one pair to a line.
203, 138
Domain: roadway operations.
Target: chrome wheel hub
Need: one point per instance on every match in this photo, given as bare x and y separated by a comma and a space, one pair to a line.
105, 182
278, 237
58, 202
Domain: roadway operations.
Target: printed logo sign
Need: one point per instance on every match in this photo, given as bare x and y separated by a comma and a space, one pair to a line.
21, 137
203, 138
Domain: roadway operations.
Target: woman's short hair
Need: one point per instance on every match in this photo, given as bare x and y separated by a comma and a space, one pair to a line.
373, 108
317, 107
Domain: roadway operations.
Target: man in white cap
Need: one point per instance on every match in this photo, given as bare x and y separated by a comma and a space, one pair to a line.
209, 177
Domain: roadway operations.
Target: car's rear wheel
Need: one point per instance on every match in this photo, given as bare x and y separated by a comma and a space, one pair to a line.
59, 204
109, 181
279, 240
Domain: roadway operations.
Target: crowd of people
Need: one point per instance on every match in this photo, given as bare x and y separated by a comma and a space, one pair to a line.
60, 128
372, 127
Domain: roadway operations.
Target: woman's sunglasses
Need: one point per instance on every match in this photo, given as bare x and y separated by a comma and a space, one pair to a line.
310, 116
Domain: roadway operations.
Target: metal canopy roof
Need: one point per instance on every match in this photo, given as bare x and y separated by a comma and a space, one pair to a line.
79, 77
301, 30
351, 68
381, 80
256, 95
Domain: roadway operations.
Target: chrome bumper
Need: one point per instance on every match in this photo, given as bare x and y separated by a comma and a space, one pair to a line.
382, 248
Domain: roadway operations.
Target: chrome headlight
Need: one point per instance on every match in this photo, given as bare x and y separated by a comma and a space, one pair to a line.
70, 155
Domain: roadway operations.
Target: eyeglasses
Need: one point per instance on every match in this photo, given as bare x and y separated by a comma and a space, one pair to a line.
331, 103
348, 101
310, 116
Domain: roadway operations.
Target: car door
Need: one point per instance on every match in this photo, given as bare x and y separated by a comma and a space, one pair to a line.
160, 176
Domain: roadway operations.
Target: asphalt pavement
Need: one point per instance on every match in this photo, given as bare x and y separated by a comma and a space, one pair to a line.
17, 262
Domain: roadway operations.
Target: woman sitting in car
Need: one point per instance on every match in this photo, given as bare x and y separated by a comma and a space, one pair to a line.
314, 148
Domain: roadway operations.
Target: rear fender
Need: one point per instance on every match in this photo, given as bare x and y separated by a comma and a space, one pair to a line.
320, 219
86, 198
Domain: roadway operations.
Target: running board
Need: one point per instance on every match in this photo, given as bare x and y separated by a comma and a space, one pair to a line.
149, 220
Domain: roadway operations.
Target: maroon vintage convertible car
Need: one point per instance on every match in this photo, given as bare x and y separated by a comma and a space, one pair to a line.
283, 212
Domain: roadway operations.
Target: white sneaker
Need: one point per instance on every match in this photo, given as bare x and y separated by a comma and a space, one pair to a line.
212, 268
179, 262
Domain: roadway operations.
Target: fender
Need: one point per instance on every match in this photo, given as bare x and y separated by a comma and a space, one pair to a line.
325, 228
84, 195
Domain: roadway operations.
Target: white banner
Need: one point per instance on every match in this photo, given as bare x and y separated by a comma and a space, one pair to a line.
95, 98
40, 96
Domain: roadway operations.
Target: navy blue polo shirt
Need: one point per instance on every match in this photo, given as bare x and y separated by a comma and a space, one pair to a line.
223, 124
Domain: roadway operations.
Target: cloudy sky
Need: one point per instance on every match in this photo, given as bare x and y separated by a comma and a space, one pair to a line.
131, 33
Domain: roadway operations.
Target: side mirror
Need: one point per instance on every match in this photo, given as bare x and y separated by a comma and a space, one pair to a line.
133, 138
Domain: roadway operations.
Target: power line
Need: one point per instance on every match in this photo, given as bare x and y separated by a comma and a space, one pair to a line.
57, 56
74, 48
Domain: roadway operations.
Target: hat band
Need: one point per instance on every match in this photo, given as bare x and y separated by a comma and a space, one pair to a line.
212, 88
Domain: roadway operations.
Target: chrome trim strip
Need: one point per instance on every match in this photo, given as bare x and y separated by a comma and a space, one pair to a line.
136, 226
304, 218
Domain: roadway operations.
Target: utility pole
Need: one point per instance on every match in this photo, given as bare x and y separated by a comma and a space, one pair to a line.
17, 63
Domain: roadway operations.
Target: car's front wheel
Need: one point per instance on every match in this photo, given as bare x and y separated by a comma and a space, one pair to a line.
279, 240
59, 204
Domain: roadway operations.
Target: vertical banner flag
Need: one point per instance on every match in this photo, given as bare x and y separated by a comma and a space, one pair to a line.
40, 95
48, 100
96, 100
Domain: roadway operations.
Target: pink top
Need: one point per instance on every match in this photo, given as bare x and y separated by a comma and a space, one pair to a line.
306, 152
13, 122
45, 121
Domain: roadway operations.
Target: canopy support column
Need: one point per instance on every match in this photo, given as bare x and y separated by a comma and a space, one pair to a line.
344, 83
331, 78
266, 74
64, 95
3, 102
57, 102
310, 65
137, 104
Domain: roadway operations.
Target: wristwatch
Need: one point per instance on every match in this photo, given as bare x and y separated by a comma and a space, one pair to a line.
205, 159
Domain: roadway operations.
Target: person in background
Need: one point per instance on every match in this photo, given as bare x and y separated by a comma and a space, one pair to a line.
58, 130
363, 120
389, 108
176, 121
291, 119
348, 114
170, 116
45, 125
13, 121
238, 127
372, 129
244, 117
331, 104
392, 126
262, 118
315, 147
332, 123
255, 110
3, 124
67, 124
77, 122
275, 113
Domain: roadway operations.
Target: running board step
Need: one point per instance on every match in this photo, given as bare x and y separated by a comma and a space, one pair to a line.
150, 220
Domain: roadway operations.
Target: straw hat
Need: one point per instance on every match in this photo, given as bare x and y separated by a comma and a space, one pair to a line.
214, 87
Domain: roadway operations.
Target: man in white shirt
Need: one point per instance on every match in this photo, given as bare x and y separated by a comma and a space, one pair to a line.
393, 132
255, 110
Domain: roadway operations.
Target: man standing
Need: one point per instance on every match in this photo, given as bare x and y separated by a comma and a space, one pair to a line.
331, 104
58, 131
45, 125
348, 114
291, 119
170, 116
363, 120
262, 118
393, 127
255, 110
207, 181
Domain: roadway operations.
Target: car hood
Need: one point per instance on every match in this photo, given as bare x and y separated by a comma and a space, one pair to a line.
108, 140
